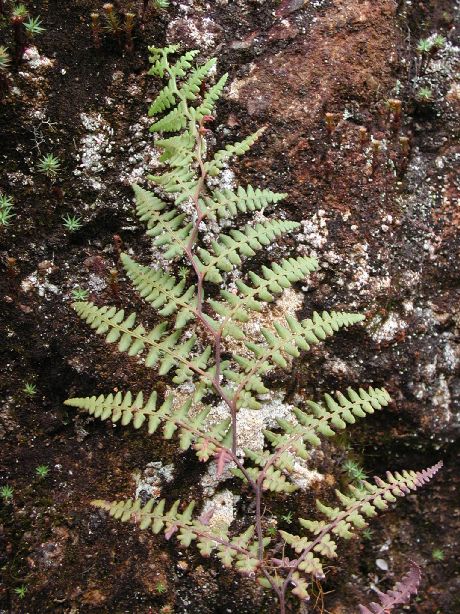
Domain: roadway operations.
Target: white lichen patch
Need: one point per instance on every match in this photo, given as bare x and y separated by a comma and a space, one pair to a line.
314, 231
302, 476
96, 283
143, 155
252, 422
210, 480
220, 509
359, 261
149, 483
441, 401
201, 32
35, 60
389, 329
39, 284
95, 148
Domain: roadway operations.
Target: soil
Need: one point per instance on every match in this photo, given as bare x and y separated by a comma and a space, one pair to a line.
380, 214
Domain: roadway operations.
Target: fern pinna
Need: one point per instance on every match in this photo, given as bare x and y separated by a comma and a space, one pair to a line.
202, 341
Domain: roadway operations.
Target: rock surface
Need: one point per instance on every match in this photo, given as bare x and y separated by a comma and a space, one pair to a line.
379, 212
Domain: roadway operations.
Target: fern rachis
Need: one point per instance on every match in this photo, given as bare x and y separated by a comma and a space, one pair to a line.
178, 214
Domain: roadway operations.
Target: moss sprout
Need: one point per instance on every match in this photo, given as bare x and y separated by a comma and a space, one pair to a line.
21, 591
72, 222
438, 555
19, 12
424, 95
354, 470
49, 165
79, 294
42, 471
34, 26
30, 389
6, 492
6, 205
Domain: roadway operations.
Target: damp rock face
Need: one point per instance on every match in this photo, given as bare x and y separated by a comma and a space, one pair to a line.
377, 202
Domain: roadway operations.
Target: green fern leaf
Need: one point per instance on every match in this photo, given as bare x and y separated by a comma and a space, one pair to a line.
209, 100
159, 59
235, 149
162, 291
174, 121
165, 100
227, 251
227, 204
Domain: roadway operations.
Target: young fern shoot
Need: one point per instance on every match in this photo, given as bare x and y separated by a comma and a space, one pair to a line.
202, 341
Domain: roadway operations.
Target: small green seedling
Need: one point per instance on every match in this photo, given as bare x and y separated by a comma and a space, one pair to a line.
424, 94
19, 11
354, 470
21, 591
439, 41
79, 294
6, 204
6, 492
183, 272
49, 165
287, 517
367, 534
72, 222
160, 588
42, 471
438, 555
34, 26
30, 389
424, 45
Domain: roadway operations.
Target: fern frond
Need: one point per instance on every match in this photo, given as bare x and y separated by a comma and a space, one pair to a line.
164, 348
341, 523
323, 419
276, 278
209, 100
359, 504
235, 149
169, 229
148, 205
240, 550
399, 595
191, 426
174, 121
164, 101
227, 250
178, 150
227, 204
159, 59
183, 64
124, 407
189, 90
162, 291
298, 336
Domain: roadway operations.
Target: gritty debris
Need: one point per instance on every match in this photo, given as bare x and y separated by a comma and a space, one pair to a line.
220, 508
150, 482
